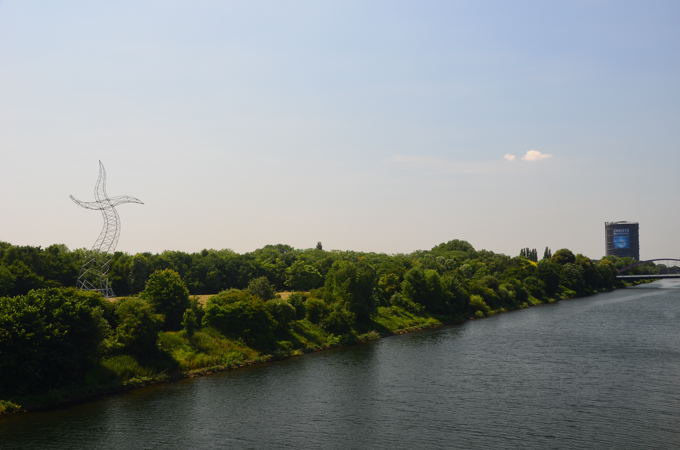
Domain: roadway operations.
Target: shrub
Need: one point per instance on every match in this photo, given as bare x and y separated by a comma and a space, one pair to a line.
261, 287
478, 305
297, 300
138, 326
282, 311
339, 320
168, 295
49, 337
246, 318
406, 303
315, 309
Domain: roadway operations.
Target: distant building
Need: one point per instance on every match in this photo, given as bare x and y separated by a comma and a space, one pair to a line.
622, 239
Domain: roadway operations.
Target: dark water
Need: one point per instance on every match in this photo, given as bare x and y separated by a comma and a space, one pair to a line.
599, 372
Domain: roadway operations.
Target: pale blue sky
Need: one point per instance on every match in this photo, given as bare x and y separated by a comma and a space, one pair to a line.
367, 125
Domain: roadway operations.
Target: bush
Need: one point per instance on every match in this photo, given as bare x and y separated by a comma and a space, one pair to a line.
297, 300
138, 327
478, 305
282, 311
190, 322
246, 318
315, 309
406, 303
49, 337
261, 287
168, 295
339, 320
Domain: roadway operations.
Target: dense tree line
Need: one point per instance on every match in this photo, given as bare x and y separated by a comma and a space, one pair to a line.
52, 334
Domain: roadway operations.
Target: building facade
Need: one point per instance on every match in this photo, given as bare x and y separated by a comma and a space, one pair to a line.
622, 239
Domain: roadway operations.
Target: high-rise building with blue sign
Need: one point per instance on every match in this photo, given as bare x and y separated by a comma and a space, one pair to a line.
622, 239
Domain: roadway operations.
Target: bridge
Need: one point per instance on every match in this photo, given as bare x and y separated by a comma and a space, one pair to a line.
623, 270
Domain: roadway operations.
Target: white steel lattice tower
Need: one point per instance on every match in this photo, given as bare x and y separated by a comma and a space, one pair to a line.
93, 273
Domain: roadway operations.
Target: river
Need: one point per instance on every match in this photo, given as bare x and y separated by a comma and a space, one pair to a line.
596, 372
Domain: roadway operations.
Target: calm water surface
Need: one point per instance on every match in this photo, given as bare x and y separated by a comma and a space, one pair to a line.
599, 372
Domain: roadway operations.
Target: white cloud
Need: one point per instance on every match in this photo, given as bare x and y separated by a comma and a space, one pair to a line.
466, 167
535, 155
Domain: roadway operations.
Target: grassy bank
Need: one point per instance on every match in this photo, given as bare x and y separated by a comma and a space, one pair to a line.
208, 351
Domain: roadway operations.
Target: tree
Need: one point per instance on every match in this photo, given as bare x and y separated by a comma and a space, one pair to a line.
352, 283
529, 253
282, 312
6, 281
301, 276
168, 295
48, 338
261, 288
315, 309
140, 268
571, 276
425, 287
190, 322
25, 278
563, 256
388, 285
548, 272
339, 320
547, 253
241, 316
138, 326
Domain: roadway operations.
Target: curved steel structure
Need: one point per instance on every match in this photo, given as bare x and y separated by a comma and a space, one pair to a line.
93, 273
627, 268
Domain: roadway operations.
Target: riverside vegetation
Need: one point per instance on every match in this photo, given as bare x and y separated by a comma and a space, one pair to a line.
60, 344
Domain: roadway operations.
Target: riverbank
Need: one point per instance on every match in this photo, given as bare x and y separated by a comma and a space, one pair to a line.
595, 371
207, 352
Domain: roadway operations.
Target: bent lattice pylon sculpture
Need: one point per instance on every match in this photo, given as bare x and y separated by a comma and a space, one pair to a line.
93, 273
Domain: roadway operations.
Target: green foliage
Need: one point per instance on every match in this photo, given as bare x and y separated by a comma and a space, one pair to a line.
315, 310
7, 407
563, 256
397, 320
388, 285
243, 316
261, 288
400, 301
549, 273
137, 327
168, 295
479, 306
534, 286
48, 337
297, 301
339, 320
547, 253
7, 280
53, 337
454, 248
302, 276
205, 349
126, 367
190, 322
353, 284
282, 312
529, 253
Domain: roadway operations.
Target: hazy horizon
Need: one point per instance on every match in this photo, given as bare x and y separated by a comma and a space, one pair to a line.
387, 126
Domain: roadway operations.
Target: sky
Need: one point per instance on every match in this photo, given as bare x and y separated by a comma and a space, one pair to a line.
386, 126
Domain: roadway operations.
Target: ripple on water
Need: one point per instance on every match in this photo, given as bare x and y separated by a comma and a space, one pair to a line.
587, 373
